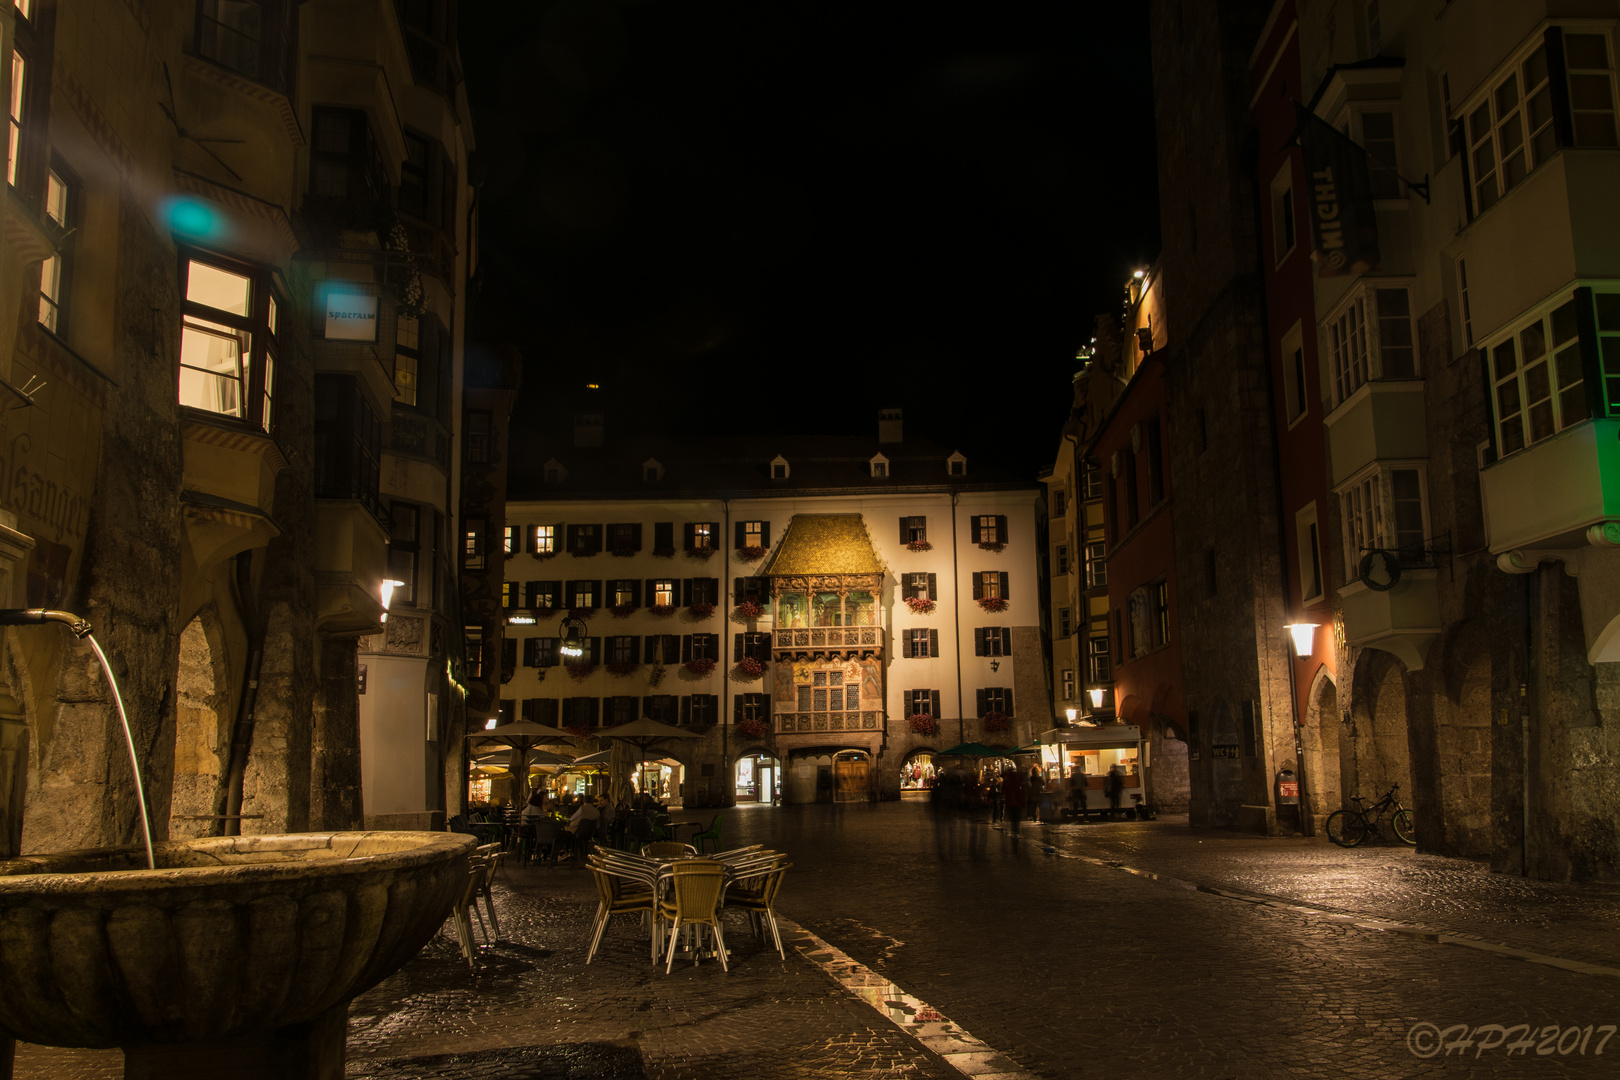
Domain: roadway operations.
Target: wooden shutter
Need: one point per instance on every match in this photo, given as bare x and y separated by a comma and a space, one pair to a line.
686, 708
713, 584
765, 647
651, 648
652, 591
688, 535
1004, 588
591, 718
737, 708
978, 587
686, 592
736, 646
764, 534
607, 711
663, 534
572, 542
905, 644
934, 696
646, 706
979, 696
933, 586
635, 649
567, 598
973, 529
933, 642
635, 536
671, 647
905, 531
686, 647
1006, 641
714, 534
978, 641
765, 709
742, 535
635, 591
1006, 700
1001, 528
593, 650
910, 701
531, 652
548, 711
737, 590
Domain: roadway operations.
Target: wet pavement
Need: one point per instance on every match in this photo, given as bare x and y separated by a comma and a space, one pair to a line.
924, 947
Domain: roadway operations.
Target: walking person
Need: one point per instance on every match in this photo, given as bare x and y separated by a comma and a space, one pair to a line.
1037, 785
1013, 794
1114, 786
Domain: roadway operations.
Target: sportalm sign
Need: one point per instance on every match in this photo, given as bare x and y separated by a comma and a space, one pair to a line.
351, 317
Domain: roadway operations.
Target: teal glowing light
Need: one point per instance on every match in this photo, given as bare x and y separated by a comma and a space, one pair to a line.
192, 217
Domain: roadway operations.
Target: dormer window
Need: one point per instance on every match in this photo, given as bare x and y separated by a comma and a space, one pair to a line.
555, 473
880, 467
956, 464
651, 471
779, 468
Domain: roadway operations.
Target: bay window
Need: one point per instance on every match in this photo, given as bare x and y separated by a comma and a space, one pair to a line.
228, 341
1370, 336
1385, 508
1537, 379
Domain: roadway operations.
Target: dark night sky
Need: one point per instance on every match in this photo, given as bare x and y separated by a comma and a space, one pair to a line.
755, 216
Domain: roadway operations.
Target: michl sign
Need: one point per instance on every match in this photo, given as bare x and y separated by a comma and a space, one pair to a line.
1344, 225
350, 317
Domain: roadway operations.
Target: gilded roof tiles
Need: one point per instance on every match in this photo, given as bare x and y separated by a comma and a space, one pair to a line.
826, 544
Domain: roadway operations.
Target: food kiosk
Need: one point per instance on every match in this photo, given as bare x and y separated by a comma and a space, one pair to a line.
1085, 754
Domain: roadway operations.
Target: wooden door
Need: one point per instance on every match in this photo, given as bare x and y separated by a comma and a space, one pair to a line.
850, 780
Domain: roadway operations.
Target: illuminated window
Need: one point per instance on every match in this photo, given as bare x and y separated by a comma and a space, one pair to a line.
1096, 564
664, 593
989, 585
472, 546
474, 637
19, 73
1068, 684
509, 591
753, 534
701, 538
988, 533
545, 539
228, 343
509, 540
1098, 665
407, 358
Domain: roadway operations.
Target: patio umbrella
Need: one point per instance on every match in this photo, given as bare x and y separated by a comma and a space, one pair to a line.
1032, 750
522, 737
643, 733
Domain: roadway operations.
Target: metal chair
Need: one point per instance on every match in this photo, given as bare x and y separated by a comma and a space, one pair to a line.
711, 834
620, 895
756, 894
694, 900
478, 868
669, 849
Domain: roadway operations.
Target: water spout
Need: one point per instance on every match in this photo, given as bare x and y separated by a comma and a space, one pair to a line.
81, 629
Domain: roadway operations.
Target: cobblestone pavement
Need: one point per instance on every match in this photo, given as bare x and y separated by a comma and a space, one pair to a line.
1062, 964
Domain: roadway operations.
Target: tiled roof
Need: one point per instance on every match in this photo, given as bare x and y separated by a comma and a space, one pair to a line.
825, 544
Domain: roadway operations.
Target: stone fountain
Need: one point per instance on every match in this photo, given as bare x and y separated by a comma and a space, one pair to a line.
221, 956
236, 956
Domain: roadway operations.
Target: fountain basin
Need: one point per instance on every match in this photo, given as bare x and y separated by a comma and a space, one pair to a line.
229, 939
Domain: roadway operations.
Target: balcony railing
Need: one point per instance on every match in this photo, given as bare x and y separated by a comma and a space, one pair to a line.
829, 637
788, 723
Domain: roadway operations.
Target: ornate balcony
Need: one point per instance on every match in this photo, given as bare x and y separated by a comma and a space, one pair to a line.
827, 639
1559, 500
795, 723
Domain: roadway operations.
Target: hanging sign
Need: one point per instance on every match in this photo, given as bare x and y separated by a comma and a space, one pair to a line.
350, 317
1344, 226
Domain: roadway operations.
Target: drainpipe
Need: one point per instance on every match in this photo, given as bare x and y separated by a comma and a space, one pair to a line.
1524, 797
242, 733
728, 789
956, 607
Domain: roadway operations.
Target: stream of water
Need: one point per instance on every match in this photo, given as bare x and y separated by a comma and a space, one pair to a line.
129, 741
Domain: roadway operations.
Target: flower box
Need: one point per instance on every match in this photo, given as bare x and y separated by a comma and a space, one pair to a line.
993, 604
544, 612
919, 545
748, 610
579, 731
920, 605
581, 671
623, 552
581, 612
751, 553
753, 729
996, 721
702, 553
621, 667
700, 611
992, 545
663, 551
750, 668
923, 724
622, 611
701, 666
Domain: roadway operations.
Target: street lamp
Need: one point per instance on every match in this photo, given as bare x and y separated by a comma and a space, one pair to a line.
387, 594
1304, 634
1096, 693
1071, 714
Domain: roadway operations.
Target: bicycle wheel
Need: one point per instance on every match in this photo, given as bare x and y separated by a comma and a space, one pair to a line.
1346, 828
1404, 827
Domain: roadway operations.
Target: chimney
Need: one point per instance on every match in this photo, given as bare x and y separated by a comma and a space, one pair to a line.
588, 429
889, 427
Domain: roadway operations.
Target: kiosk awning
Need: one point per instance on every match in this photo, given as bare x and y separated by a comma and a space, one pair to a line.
1106, 737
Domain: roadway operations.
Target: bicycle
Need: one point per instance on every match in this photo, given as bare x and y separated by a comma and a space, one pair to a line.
1350, 826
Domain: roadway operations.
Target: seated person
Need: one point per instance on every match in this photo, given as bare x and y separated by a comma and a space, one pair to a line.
537, 805
587, 812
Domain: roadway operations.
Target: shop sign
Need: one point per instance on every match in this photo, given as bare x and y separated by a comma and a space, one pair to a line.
350, 317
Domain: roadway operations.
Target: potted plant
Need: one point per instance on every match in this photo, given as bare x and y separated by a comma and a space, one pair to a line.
662, 610
581, 671
579, 731
923, 724
700, 666
920, 605
919, 545
996, 721
751, 553
581, 612
753, 729
622, 611
993, 604
700, 553
748, 610
700, 610
621, 667
991, 545
750, 668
